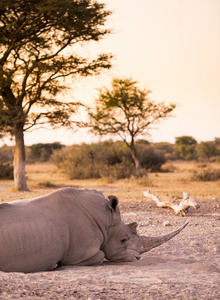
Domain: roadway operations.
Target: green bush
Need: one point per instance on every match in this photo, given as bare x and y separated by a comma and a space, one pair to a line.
91, 160
6, 170
207, 151
111, 160
42, 152
150, 159
6, 153
166, 148
79, 161
117, 171
185, 148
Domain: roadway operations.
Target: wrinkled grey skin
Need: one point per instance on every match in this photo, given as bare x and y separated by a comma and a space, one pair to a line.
66, 227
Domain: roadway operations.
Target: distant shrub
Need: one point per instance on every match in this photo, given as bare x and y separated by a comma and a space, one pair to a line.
78, 161
150, 159
6, 170
206, 175
208, 151
42, 152
144, 181
6, 153
111, 160
117, 171
185, 148
46, 184
165, 146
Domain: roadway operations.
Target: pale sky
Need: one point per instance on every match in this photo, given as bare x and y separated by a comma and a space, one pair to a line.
171, 47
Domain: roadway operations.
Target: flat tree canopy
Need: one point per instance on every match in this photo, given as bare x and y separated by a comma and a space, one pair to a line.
127, 111
40, 42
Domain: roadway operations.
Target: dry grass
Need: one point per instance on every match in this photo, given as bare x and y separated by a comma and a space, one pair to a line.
43, 178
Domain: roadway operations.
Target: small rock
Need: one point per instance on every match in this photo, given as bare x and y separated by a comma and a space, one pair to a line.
216, 206
142, 224
216, 215
194, 243
166, 223
149, 222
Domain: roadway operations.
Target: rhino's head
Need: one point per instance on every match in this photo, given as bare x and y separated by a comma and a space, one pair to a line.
124, 244
115, 247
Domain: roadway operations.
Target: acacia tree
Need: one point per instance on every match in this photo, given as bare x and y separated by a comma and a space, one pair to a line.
40, 44
185, 147
207, 149
126, 111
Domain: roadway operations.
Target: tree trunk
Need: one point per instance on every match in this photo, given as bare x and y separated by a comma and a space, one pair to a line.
19, 159
136, 160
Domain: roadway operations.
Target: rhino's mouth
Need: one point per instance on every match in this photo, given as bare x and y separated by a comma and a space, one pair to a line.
135, 257
131, 256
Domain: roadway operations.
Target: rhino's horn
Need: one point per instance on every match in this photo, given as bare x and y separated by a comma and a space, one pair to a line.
154, 241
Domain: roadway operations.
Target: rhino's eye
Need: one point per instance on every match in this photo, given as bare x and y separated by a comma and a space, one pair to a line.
124, 240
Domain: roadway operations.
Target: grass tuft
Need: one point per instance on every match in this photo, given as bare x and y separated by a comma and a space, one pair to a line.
206, 175
46, 184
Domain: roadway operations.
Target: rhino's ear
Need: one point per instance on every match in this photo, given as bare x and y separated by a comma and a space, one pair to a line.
133, 227
113, 202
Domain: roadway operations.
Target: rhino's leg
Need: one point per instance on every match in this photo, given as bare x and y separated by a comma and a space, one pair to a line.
97, 259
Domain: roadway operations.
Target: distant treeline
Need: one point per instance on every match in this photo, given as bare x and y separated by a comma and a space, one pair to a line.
112, 159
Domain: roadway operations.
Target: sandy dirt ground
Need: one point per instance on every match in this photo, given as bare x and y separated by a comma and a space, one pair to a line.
186, 267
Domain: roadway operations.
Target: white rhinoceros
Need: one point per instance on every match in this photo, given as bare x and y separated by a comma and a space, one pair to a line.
68, 227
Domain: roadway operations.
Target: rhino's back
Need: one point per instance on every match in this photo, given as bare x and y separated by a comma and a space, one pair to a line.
30, 238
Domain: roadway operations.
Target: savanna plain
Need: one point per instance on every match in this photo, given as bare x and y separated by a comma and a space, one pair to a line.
186, 267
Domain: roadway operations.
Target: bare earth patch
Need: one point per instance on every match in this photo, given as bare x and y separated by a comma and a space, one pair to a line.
186, 267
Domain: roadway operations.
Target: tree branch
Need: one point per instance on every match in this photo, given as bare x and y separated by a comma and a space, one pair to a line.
180, 208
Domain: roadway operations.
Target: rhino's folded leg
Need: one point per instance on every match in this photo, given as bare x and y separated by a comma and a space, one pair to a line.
97, 259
